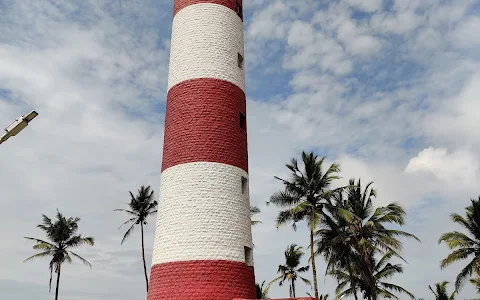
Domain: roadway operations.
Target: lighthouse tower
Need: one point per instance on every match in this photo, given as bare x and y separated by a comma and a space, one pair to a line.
203, 240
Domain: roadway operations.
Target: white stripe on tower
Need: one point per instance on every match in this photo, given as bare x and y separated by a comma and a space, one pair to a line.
206, 40
203, 241
203, 214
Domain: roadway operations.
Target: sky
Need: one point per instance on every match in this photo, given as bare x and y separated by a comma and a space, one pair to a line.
389, 89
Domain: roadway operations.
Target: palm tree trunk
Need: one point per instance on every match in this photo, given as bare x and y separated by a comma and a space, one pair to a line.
293, 288
351, 283
143, 257
370, 277
58, 282
312, 252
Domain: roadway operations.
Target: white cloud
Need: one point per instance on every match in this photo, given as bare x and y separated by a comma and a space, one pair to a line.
456, 119
465, 35
459, 168
270, 22
356, 39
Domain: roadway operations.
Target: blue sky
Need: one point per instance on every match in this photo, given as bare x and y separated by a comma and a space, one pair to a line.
389, 89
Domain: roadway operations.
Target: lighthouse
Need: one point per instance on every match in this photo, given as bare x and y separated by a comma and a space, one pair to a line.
203, 238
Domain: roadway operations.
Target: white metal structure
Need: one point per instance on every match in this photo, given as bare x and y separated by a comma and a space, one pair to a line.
18, 125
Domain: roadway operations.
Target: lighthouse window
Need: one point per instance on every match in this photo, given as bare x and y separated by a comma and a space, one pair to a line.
239, 10
240, 61
243, 122
244, 185
248, 256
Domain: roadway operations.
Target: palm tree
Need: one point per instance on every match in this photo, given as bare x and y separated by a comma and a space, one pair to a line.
140, 208
333, 239
253, 211
290, 270
440, 291
352, 232
464, 245
62, 237
303, 197
261, 291
383, 270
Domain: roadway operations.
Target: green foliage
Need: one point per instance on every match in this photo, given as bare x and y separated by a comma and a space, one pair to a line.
382, 271
140, 208
290, 270
464, 246
303, 196
261, 291
253, 211
352, 232
440, 291
62, 237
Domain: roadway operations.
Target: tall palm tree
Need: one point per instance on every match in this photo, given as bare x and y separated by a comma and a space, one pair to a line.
440, 291
261, 291
62, 237
253, 211
140, 208
303, 197
333, 238
464, 245
383, 270
352, 232
290, 270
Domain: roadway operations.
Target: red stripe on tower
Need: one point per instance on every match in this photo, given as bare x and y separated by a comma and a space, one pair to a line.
235, 5
205, 121
203, 239
210, 280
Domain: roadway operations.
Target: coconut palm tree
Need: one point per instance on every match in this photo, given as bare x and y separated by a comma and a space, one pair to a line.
352, 232
440, 291
140, 208
303, 197
333, 238
253, 211
290, 270
261, 291
383, 270
464, 246
62, 237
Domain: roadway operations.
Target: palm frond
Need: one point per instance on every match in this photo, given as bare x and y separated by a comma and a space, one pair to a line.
128, 221
127, 234
39, 241
39, 255
306, 281
78, 240
83, 260
396, 288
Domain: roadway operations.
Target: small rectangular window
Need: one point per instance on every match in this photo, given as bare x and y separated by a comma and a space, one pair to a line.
244, 185
239, 10
240, 61
243, 121
248, 256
